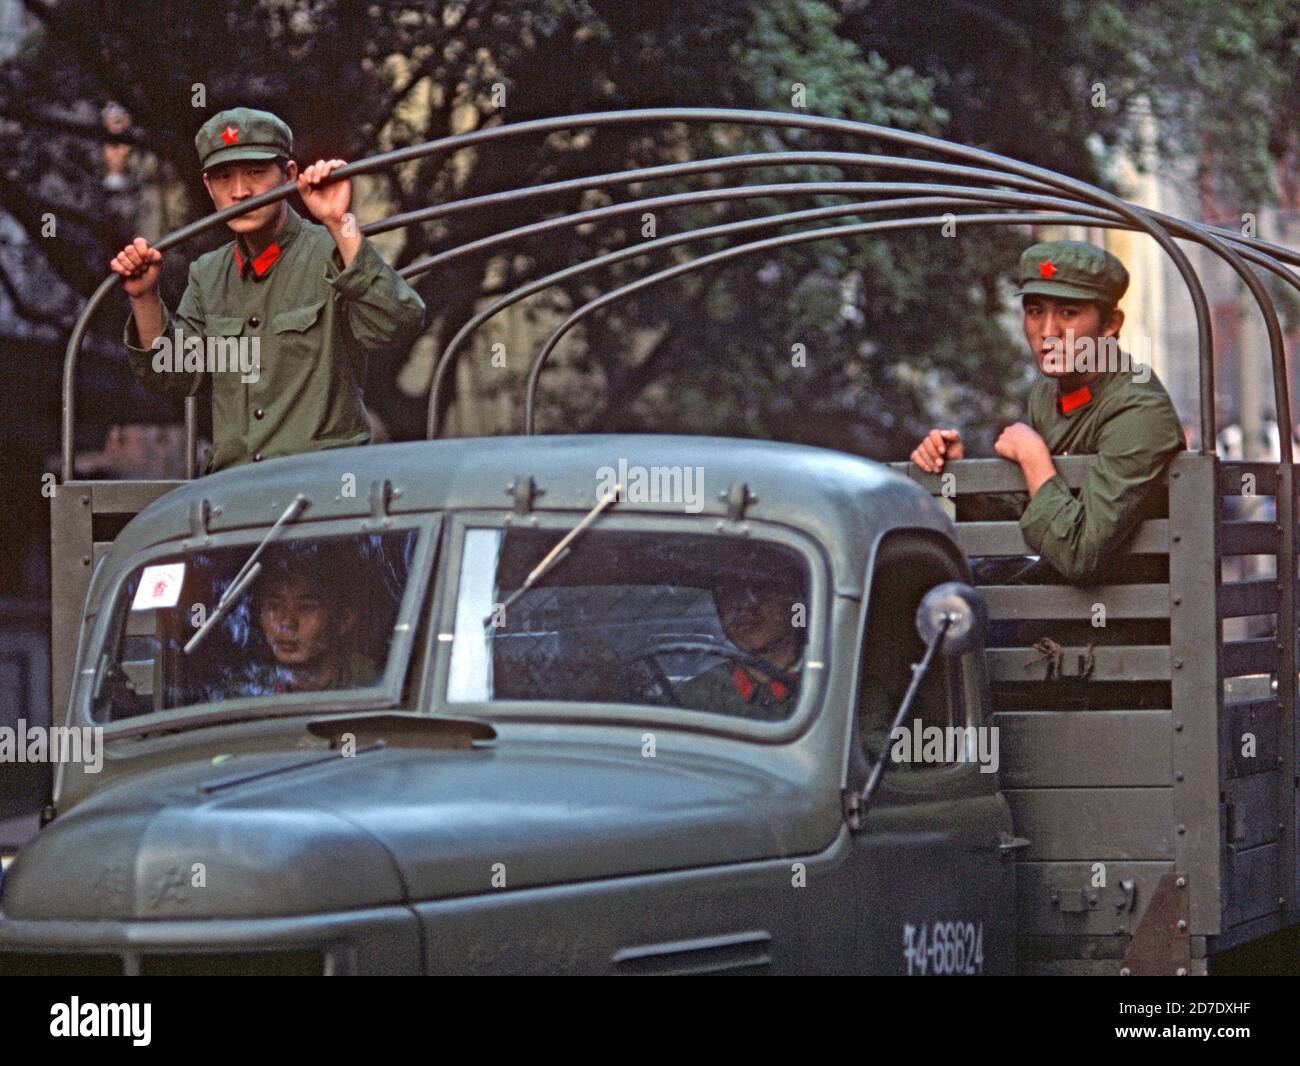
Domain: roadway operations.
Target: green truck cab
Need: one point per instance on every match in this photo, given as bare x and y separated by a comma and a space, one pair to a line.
512, 762
522, 796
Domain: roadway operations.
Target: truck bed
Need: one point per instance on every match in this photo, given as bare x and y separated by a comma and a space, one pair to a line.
1141, 770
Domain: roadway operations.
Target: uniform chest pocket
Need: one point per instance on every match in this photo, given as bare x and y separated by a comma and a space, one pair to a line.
223, 326
297, 321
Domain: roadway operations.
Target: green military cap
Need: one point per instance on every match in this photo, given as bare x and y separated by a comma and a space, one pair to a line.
242, 133
1073, 269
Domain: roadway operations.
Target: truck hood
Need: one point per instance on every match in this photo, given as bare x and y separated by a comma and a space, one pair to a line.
302, 833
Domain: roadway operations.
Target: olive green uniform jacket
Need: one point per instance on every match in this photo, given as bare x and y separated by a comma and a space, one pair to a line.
1133, 429
314, 322
729, 689
353, 670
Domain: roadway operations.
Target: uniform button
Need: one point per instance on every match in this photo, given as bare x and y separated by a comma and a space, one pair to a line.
255, 322
259, 413
257, 457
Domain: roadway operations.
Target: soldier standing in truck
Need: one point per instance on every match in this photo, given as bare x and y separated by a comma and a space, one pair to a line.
312, 299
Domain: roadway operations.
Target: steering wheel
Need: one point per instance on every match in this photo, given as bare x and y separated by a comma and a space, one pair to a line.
650, 656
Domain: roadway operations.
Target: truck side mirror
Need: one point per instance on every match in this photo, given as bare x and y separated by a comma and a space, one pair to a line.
951, 620
963, 608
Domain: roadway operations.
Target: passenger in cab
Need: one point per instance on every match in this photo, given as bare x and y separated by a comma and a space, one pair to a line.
1090, 399
310, 627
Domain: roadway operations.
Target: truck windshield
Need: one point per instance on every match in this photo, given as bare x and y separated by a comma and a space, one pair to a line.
698, 621
319, 616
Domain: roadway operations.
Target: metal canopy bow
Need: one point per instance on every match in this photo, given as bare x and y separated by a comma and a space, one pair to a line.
1025, 186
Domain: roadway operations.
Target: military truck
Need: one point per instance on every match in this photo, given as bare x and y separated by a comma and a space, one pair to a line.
554, 736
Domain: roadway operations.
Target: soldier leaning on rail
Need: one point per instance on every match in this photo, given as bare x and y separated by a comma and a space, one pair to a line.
316, 298
1122, 414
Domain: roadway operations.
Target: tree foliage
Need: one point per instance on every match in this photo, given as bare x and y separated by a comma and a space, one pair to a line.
893, 331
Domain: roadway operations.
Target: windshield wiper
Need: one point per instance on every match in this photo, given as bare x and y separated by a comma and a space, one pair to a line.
247, 573
552, 558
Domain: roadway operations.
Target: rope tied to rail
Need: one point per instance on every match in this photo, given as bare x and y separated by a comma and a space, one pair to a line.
1052, 653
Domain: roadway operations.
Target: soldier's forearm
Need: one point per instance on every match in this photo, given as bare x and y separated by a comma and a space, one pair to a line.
347, 236
1038, 469
382, 310
149, 317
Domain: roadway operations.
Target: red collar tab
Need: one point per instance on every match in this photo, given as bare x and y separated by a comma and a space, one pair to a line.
745, 685
262, 263
1068, 401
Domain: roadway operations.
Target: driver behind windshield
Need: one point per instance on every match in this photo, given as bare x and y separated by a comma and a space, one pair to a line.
763, 681
310, 625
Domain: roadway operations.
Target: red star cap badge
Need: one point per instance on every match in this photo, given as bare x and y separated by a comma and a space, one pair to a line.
1045, 269
230, 135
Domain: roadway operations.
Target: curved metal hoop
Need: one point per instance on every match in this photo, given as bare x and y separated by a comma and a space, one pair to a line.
1139, 217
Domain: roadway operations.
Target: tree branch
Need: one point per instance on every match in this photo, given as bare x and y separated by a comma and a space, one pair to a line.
65, 123
44, 12
634, 382
26, 310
